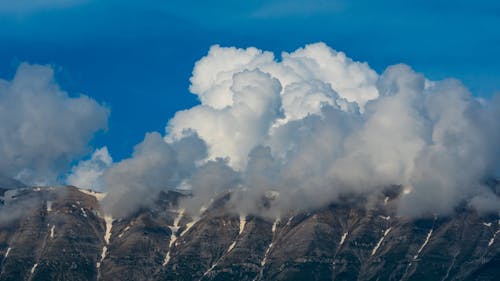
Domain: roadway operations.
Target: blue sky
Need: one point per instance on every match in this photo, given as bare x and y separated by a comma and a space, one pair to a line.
137, 56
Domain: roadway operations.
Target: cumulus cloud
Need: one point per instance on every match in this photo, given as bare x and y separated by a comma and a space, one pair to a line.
235, 129
42, 128
228, 80
314, 126
89, 173
154, 166
213, 74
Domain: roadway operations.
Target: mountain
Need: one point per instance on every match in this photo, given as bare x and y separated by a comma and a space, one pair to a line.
60, 234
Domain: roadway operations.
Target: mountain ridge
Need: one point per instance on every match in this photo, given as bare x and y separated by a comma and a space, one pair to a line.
66, 237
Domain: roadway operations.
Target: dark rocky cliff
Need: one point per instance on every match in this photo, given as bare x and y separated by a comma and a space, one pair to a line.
61, 235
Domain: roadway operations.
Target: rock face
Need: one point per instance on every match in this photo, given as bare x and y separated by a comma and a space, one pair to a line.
60, 234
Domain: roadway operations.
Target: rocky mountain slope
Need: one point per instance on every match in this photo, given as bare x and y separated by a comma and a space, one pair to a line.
60, 234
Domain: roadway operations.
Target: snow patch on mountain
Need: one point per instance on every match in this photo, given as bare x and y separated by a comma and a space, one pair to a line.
374, 251
427, 238
173, 235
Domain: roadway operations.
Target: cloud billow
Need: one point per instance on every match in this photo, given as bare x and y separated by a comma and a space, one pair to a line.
315, 125
42, 128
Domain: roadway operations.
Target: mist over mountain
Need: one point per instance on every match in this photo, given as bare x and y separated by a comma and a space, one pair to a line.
6, 182
307, 165
64, 234
43, 129
313, 126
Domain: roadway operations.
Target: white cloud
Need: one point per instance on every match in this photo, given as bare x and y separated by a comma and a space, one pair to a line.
154, 166
301, 84
89, 173
317, 125
234, 130
213, 75
353, 81
43, 129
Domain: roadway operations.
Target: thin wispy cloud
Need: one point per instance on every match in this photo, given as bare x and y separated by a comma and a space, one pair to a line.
284, 8
29, 6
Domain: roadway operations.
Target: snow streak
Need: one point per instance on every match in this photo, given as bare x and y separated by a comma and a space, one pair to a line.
374, 251
109, 225
429, 234
173, 236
